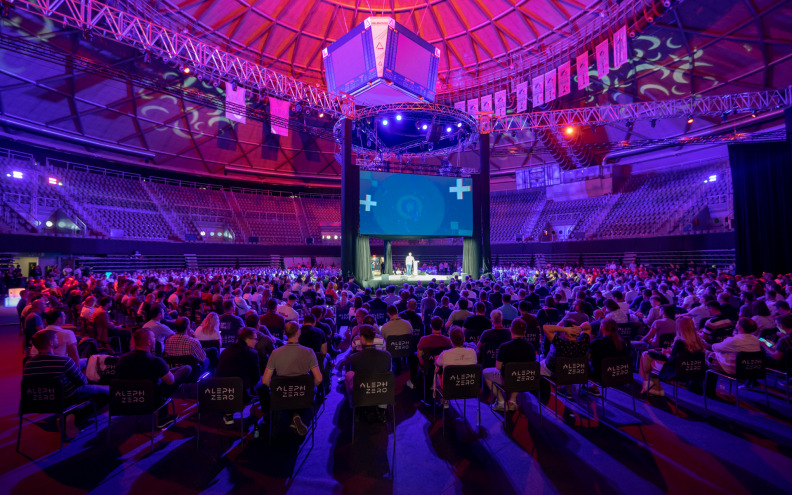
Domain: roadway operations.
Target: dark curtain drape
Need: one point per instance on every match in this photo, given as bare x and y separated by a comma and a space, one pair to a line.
484, 179
350, 204
363, 260
761, 177
471, 256
388, 258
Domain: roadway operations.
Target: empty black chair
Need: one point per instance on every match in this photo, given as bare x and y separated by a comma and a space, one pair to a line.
519, 378
569, 371
220, 395
289, 393
374, 389
687, 369
616, 372
136, 398
41, 395
750, 366
461, 383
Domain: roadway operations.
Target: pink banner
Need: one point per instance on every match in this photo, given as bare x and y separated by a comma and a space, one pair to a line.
522, 96
537, 90
235, 103
564, 78
620, 47
279, 116
582, 63
550, 85
603, 59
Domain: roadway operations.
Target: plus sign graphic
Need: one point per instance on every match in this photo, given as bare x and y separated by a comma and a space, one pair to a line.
368, 203
458, 189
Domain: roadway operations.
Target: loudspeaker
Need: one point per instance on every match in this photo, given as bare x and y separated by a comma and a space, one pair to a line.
253, 239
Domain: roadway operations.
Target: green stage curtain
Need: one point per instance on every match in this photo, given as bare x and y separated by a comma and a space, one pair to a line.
388, 258
471, 257
363, 259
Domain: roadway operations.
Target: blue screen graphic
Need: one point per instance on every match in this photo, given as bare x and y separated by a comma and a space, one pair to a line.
415, 205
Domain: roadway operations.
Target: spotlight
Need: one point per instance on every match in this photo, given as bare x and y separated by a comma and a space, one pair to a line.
48, 223
753, 114
321, 115
424, 127
690, 120
398, 116
203, 232
629, 124
146, 58
88, 35
216, 83
384, 121
186, 70
459, 124
335, 237
569, 130
448, 129
165, 57
211, 234
724, 116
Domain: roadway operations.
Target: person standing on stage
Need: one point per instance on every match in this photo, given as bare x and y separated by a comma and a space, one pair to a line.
409, 264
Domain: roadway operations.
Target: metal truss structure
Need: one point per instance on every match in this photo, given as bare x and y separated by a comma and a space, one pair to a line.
711, 106
97, 19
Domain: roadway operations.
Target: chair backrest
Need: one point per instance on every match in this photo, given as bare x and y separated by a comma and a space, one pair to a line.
372, 389
342, 319
108, 373
430, 353
571, 371
132, 397
41, 395
750, 365
291, 392
521, 377
488, 354
688, 368
227, 339
627, 331
666, 340
176, 361
534, 336
399, 346
616, 371
225, 395
461, 382
208, 344
473, 336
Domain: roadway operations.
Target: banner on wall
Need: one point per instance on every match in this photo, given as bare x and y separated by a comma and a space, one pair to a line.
236, 98
582, 65
603, 59
537, 90
486, 103
564, 78
461, 105
500, 103
550, 86
620, 47
522, 97
279, 112
473, 107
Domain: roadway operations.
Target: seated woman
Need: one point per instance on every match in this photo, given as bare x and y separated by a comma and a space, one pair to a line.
608, 345
662, 326
687, 343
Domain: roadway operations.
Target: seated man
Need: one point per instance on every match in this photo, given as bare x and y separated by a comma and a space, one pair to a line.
459, 355
458, 317
395, 325
314, 339
567, 341
287, 310
47, 364
105, 328
718, 326
436, 340
140, 364
67, 342
496, 335
517, 350
723, 356
161, 331
272, 320
182, 344
293, 359
368, 360
777, 353
476, 325
241, 360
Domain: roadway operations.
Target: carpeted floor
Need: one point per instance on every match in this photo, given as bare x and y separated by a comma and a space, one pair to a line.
724, 450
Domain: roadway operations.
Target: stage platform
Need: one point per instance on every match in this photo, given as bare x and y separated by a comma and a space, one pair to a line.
385, 280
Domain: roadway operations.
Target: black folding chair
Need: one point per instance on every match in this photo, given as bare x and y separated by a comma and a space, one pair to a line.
108, 373
136, 398
686, 369
628, 331
461, 383
226, 339
569, 372
616, 372
519, 378
488, 354
784, 371
292, 393
428, 369
534, 337
399, 346
750, 366
665, 341
220, 395
374, 389
42, 395
208, 344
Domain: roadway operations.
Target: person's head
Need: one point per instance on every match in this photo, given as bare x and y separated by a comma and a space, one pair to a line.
506, 299
782, 308
392, 310
480, 308
367, 334
655, 301
45, 341
54, 316
181, 325
144, 339
436, 324
210, 322
444, 301
252, 320
309, 320
714, 308
786, 323
90, 301
228, 306
105, 302
272, 305
155, 313
760, 308
524, 307
610, 329
669, 312
457, 336
463, 304
360, 315
248, 336
412, 305
611, 305
746, 325
292, 331
292, 300
550, 302
518, 328
496, 317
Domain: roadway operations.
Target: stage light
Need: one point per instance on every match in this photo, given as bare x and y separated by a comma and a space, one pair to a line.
753, 114
234, 84
186, 70
17, 175
146, 57
724, 116
713, 178
203, 232
690, 120
211, 234
384, 121
48, 223
398, 116
569, 130
321, 115
448, 129
335, 237
53, 181
459, 124
424, 127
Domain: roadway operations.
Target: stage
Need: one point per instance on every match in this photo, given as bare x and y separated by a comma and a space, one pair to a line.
383, 281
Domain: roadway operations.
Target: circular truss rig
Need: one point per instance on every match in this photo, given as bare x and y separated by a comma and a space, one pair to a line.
399, 132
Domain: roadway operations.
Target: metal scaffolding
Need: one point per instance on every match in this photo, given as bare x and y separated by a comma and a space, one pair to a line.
697, 106
97, 19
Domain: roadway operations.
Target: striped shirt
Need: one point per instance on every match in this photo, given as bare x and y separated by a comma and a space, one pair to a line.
58, 367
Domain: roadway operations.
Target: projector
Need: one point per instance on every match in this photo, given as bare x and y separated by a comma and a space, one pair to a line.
380, 62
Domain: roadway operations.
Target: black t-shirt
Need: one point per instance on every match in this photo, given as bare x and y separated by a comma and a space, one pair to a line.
370, 360
495, 336
477, 322
413, 318
312, 338
603, 348
443, 312
230, 325
141, 365
516, 351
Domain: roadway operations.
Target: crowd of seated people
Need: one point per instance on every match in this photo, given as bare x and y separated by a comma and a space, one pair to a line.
173, 327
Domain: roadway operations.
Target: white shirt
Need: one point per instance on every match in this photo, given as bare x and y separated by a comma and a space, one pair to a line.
65, 338
726, 351
409, 260
86, 312
456, 357
287, 312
